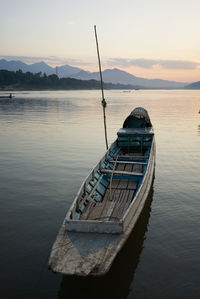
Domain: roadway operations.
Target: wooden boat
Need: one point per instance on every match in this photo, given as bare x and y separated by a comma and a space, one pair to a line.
116, 283
7, 97
108, 203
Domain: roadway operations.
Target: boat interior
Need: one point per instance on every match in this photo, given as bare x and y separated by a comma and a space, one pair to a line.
112, 185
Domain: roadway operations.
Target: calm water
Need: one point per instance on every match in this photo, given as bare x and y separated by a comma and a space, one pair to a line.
48, 143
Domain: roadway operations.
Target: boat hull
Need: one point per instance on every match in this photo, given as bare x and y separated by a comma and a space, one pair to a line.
91, 253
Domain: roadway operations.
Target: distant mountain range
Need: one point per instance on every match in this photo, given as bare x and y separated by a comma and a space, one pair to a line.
63, 71
118, 76
195, 85
115, 76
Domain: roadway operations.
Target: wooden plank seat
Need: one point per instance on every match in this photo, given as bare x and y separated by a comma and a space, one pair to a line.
129, 167
118, 172
123, 184
131, 157
127, 162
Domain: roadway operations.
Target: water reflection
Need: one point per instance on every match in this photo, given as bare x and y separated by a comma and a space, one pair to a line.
23, 104
115, 284
49, 141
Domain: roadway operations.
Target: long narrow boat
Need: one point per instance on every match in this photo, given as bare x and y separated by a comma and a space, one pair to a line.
109, 202
6, 97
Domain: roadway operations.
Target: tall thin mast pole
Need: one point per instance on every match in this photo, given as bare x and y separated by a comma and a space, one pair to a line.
103, 102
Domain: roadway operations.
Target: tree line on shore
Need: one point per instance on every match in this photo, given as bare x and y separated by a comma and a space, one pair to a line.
20, 80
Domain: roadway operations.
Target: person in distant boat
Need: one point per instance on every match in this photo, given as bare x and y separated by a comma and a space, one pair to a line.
10, 95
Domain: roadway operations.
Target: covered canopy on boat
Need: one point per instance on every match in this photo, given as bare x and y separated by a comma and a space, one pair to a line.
138, 118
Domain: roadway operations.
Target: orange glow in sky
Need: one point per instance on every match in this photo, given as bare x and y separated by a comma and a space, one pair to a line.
61, 32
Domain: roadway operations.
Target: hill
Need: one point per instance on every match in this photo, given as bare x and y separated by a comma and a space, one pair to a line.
118, 76
115, 76
195, 85
63, 71
28, 81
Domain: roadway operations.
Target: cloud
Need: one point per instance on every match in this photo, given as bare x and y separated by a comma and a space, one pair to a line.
89, 62
150, 63
179, 64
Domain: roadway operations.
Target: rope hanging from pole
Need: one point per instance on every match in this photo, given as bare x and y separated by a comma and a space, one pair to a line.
103, 102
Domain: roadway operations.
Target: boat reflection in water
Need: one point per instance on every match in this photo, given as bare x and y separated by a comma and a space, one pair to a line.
116, 283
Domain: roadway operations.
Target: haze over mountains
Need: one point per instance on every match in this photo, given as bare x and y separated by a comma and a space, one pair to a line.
118, 76
109, 75
195, 85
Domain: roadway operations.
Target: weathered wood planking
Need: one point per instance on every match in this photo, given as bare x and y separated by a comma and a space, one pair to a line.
85, 254
99, 211
97, 225
123, 184
119, 193
132, 184
118, 172
120, 167
127, 162
87, 211
128, 167
131, 156
113, 184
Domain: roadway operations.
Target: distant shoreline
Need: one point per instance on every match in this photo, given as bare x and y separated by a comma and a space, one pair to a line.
123, 88
71, 89
18, 81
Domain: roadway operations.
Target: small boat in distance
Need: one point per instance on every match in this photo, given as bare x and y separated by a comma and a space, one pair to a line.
7, 97
109, 202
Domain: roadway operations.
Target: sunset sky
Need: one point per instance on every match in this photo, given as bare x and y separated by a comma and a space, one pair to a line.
148, 38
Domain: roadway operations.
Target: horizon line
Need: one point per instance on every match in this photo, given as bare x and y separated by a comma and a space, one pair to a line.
121, 64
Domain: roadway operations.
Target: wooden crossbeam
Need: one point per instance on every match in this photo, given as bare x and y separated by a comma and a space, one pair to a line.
127, 162
121, 172
130, 157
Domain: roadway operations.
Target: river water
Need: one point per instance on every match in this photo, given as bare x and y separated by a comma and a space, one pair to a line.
49, 141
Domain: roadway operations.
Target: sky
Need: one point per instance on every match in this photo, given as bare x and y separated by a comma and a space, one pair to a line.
147, 38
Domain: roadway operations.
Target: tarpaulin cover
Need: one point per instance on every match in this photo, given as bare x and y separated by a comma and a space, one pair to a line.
138, 118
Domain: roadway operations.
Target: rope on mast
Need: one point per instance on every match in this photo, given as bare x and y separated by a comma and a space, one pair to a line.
103, 102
